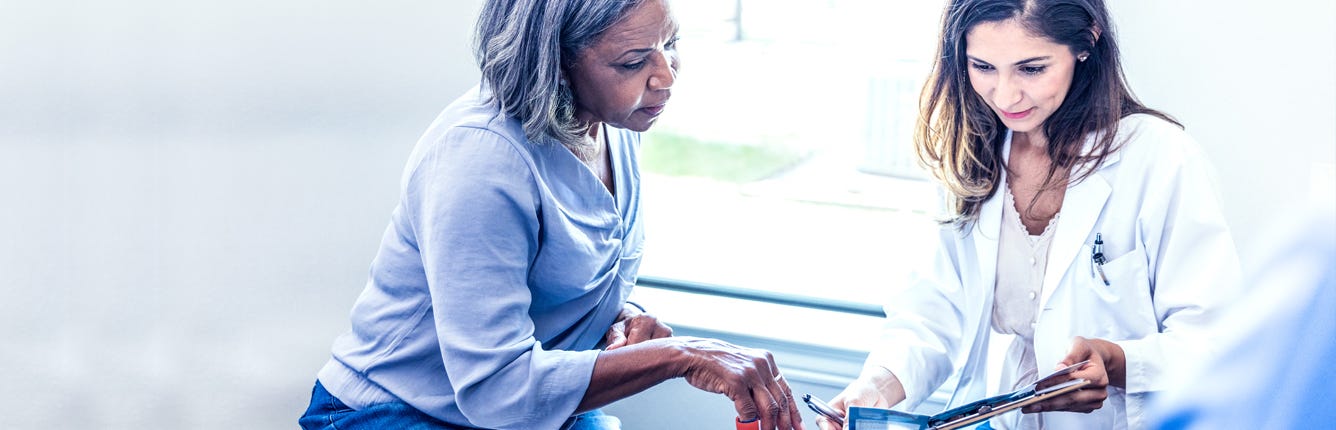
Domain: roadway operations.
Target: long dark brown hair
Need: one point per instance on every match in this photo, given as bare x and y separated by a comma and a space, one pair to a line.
959, 139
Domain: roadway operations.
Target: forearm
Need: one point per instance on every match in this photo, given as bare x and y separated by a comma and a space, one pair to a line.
922, 359
626, 371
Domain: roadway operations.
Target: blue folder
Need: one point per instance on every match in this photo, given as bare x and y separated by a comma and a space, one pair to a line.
865, 418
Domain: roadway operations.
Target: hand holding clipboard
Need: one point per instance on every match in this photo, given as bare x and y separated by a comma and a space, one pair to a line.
979, 411
972, 413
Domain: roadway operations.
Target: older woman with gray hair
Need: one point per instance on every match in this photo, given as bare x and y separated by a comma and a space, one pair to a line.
498, 296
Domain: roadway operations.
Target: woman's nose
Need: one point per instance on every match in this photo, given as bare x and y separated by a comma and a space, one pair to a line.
1006, 94
665, 72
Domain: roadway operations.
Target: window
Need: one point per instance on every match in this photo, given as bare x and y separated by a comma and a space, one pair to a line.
784, 161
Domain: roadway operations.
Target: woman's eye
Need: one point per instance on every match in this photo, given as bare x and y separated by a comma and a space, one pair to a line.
981, 67
1032, 70
634, 66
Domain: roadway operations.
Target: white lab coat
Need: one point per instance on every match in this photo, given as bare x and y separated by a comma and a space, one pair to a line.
1171, 263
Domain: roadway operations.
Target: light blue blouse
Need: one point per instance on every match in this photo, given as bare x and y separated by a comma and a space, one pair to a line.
503, 266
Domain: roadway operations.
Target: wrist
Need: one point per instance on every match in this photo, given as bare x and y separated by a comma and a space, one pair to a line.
678, 355
885, 382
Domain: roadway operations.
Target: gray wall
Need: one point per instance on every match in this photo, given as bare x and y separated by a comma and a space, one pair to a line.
192, 190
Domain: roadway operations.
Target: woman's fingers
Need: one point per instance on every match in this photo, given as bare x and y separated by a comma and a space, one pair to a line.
616, 337
861, 392
1081, 351
768, 407
645, 327
771, 402
1084, 400
749, 377
787, 415
639, 329
1088, 398
746, 408
795, 413
1088, 401
660, 330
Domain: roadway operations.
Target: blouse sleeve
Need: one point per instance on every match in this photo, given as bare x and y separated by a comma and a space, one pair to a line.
474, 204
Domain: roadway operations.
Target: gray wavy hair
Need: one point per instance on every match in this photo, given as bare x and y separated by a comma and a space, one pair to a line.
522, 47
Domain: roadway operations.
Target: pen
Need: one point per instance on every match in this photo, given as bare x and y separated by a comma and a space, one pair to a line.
822, 408
1097, 258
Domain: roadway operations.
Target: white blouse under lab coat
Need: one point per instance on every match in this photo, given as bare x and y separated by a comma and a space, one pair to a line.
1171, 263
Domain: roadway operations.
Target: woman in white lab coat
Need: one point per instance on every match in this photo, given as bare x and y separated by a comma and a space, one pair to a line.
1082, 226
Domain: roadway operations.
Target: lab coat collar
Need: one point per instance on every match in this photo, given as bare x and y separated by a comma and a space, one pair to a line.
987, 228
1082, 205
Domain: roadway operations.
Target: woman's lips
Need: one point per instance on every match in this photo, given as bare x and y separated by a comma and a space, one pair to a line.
1017, 115
654, 110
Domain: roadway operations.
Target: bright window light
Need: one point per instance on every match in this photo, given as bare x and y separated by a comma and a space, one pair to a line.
784, 161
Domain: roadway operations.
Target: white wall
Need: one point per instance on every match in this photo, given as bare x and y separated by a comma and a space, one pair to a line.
1255, 83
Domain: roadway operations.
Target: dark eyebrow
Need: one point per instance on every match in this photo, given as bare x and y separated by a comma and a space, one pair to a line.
635, 51
1034, 59
646, 50
1027, 60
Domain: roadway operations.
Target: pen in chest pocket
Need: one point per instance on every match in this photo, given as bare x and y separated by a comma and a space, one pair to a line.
1097, 258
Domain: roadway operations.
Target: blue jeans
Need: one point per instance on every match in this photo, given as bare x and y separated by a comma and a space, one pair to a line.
594, 420
329, 413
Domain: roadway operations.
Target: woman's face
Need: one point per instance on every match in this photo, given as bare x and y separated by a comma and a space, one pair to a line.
624, 78
1023, 78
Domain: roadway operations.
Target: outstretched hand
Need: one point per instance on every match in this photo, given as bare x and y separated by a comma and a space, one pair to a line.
875, 387
1105, 368
749, 377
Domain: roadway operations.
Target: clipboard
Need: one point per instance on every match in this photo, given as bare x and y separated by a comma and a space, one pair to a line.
1055, 390
864, 418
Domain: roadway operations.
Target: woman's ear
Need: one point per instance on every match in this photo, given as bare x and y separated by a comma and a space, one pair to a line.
1094, 35
564, 71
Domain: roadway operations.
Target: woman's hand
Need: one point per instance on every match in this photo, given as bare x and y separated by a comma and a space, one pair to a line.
749, 377
1106, 368
634, 326
875, 387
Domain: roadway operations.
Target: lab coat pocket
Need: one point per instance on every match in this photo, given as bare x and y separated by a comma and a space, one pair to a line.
1123, 309
1127, 278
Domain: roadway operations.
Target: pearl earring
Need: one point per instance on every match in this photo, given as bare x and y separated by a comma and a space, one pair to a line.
1082, 57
